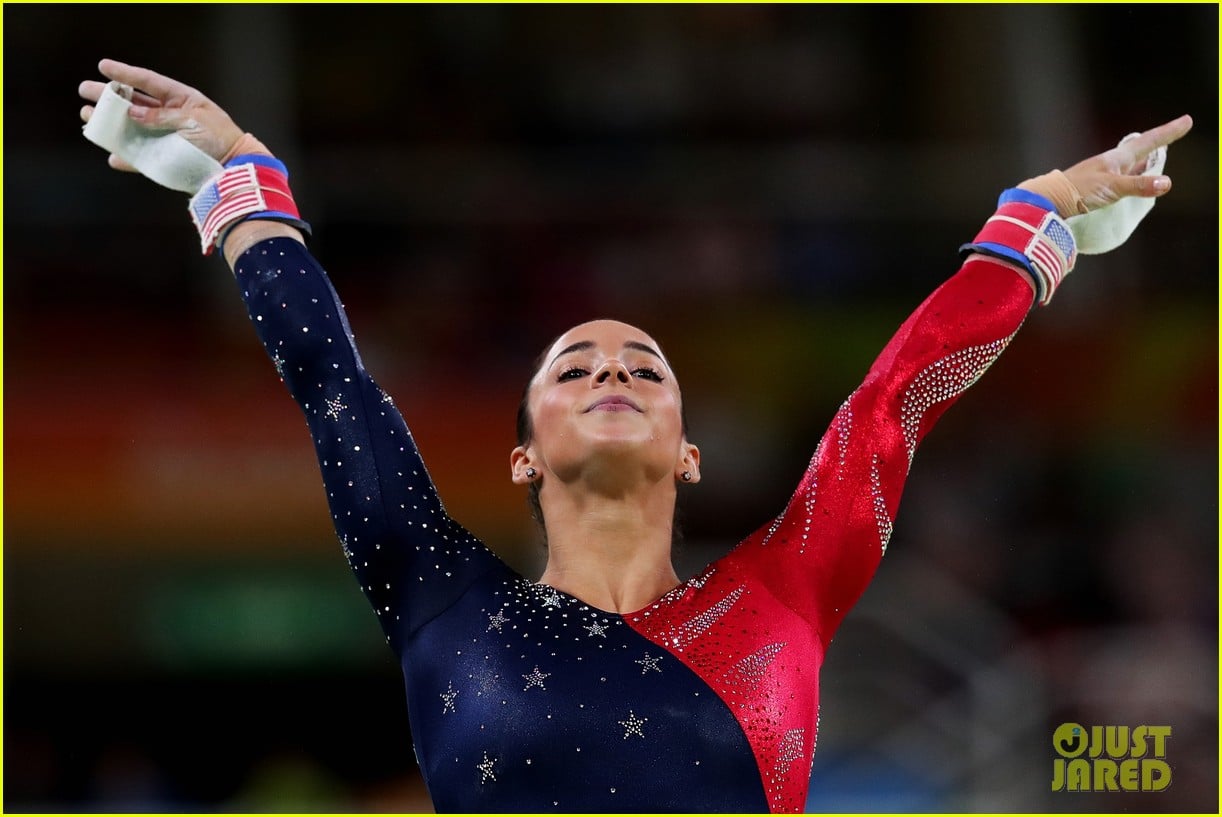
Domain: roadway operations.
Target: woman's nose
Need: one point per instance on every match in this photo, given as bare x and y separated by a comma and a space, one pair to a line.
612, 369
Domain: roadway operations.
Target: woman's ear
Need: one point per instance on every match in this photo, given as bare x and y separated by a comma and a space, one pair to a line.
688, 469
520, 469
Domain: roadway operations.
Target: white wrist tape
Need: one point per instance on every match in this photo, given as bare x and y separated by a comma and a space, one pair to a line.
163, 156
1108, 227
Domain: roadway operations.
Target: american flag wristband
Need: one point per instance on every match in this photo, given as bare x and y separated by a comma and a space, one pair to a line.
1026, 230
250, 187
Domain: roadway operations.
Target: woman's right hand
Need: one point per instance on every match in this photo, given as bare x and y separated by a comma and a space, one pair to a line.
163, 104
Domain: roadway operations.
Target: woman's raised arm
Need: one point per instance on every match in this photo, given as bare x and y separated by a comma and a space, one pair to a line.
411, 559
823, 549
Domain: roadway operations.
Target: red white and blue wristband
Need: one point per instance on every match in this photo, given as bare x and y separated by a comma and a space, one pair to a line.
252, 186
1027, 231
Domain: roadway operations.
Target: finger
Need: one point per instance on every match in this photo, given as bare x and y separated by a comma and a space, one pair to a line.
118, 164
1164, 134
91, 90
155, 85
86, 112
141, 98
1142, 186
170, 118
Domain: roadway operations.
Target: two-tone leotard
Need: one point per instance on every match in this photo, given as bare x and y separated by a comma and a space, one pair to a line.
523, 698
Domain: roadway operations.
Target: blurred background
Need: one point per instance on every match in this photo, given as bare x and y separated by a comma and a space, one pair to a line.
768, 190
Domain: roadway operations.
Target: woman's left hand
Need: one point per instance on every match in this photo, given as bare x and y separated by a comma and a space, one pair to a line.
1114, 174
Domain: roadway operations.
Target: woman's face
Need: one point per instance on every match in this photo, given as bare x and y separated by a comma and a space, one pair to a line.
605, 397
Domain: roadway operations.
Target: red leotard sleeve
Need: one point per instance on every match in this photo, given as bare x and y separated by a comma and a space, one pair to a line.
819, 554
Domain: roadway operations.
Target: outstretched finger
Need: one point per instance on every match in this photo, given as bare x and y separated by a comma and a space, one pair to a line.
141, 98
118, 164
1141, 186
91, 90
155, 85
1149, 141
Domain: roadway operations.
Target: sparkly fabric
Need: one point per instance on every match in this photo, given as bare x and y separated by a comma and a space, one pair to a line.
523, 698
766, 613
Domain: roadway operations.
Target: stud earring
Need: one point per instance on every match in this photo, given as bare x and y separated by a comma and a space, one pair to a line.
687, 476
531, 473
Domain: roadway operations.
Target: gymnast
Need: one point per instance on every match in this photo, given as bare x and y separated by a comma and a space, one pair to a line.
608, 684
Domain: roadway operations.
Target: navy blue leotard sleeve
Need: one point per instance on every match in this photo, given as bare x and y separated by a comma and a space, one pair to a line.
411, 559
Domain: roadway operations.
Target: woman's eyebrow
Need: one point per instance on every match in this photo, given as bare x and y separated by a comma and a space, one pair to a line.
582, 345
579, 346
641, 347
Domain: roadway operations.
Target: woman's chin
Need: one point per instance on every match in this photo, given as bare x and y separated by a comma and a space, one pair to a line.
624, 445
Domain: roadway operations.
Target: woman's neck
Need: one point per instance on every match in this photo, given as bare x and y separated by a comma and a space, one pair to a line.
613, 554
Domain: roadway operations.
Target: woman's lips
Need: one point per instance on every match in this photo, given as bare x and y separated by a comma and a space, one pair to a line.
614, 403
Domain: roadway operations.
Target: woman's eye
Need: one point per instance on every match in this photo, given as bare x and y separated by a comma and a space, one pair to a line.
647, 374
572, 374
